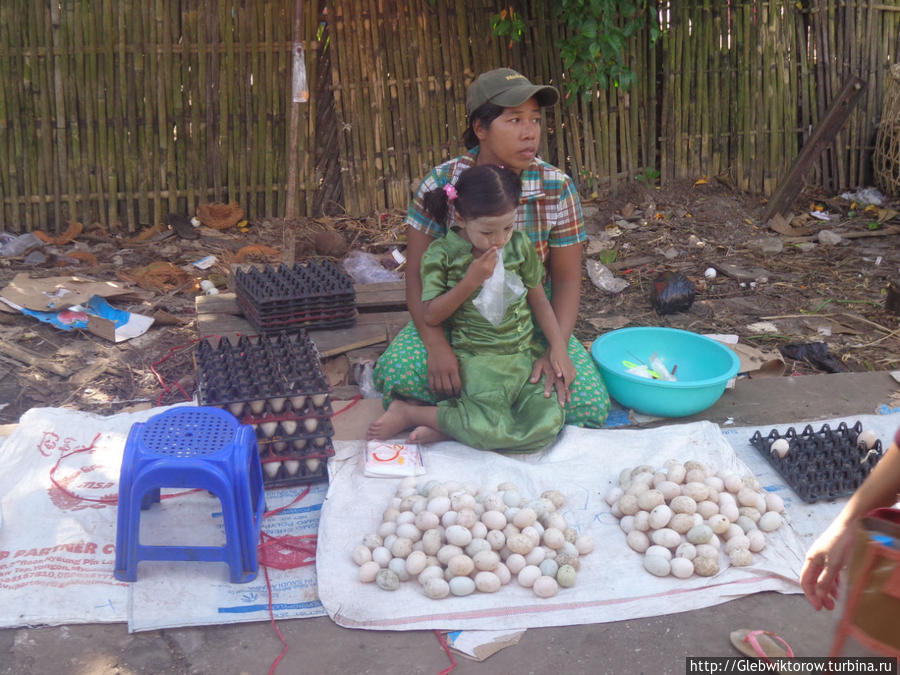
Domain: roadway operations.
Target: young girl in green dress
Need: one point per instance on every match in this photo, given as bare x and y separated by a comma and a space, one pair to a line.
491, 332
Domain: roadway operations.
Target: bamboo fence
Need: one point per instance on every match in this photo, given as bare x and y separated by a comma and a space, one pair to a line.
122, 111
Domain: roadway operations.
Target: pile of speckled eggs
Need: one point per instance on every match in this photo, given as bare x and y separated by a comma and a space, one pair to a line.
682, 516
456, 539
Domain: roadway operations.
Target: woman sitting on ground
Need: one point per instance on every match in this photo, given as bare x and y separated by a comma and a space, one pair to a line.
504, 111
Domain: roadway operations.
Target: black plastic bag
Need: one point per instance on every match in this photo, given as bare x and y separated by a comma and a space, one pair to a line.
672, 292
814, 353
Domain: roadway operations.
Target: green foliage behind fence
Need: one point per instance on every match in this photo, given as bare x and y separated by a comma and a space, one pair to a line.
120, 111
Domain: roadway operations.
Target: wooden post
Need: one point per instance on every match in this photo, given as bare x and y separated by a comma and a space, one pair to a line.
821, 136
299, 94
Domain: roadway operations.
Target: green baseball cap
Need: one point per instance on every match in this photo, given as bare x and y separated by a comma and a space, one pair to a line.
505, 87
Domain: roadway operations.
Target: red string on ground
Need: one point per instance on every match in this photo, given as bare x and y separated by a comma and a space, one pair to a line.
303, 550
446, 648
353, 401
274, 625
172, 351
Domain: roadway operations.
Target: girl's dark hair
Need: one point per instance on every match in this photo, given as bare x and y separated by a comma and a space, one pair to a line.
485, 113
485, 190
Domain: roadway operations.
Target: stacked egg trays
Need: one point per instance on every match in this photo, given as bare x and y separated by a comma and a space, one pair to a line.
287, 299
824, 464
276, 385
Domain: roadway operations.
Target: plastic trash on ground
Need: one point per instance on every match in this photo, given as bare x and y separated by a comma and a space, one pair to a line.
814, 353
365, 379
364, 268
20, 245
867, 195
601, 276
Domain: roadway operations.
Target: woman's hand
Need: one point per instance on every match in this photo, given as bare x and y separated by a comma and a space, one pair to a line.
482, 267
443, 370
543, 367
563, 367
826, 557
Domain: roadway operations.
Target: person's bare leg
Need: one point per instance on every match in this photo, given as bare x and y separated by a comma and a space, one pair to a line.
423, 434
399, 416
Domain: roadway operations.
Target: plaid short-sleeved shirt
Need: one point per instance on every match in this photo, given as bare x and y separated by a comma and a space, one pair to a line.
549, 211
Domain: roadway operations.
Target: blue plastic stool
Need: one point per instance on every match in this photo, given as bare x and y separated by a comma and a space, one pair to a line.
192, 447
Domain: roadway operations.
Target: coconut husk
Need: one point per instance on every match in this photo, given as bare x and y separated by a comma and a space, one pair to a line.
331, 243
72, 231
220, 216
85, 257
148, 234
157, 276
252, 251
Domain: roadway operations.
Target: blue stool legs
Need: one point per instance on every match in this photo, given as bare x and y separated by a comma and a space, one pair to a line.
174, 450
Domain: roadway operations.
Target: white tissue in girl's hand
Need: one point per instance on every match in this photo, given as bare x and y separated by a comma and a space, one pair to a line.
501, 289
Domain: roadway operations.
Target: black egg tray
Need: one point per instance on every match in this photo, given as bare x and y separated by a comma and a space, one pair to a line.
305, 319
297, 445
305, 474
288, 314
278, 408
272, 287
823, 464
258, 368
291, 428
295, 306
272, 380
315, 446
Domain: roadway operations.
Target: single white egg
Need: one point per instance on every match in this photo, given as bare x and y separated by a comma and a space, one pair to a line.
780, 447
867, 439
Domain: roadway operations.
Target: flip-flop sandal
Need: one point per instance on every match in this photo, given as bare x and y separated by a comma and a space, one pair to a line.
182, 226
760, 644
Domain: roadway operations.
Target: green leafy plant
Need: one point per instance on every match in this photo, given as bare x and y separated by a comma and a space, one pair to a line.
508, 22
648, 176
607, 256
593, 54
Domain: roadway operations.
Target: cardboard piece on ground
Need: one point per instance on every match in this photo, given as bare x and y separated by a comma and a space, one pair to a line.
759, 363
754, 361
97, 317
478, 645
55, 293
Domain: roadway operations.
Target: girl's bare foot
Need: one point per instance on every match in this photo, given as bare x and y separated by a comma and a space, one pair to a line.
423, 434
394, 420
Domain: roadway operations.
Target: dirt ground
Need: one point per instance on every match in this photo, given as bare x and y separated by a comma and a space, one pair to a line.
770, 288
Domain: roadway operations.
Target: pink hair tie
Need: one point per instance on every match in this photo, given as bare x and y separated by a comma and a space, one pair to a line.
450, 191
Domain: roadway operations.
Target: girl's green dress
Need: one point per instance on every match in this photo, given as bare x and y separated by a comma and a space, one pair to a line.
498, 409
